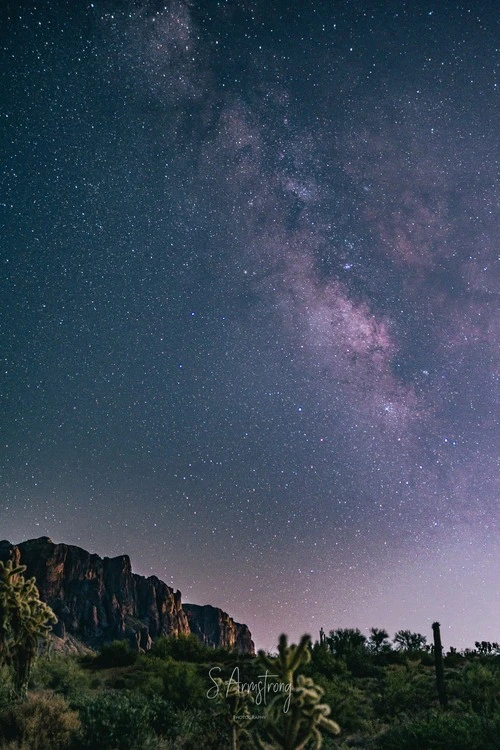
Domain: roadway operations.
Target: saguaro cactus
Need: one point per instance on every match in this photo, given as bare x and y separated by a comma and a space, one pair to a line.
438, 660
295, 715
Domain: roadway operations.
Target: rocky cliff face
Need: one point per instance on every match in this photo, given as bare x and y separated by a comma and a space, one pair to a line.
100, 599
213, 626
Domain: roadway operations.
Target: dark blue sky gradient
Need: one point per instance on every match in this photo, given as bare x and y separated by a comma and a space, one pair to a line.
250, 303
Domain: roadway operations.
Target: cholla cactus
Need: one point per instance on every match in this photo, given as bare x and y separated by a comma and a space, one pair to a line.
295, 715
24, 619
239, 703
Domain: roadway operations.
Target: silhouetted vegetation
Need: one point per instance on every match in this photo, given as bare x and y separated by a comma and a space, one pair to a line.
182, 695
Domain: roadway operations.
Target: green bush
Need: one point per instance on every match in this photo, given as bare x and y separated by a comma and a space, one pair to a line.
186, 648
114, 721
359, 663
163, 717
178, 683
43, 722
404, 690
62, 674
443, 731
145, 676
182, 685
116, 654
348, 703
323, 662
479, 687
197, 729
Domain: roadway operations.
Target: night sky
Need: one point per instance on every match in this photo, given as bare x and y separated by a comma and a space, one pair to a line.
250, 330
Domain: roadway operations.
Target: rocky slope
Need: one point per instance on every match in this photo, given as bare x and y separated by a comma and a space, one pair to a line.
100, 599
213, 626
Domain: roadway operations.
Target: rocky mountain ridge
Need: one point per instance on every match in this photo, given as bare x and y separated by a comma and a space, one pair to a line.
98, 600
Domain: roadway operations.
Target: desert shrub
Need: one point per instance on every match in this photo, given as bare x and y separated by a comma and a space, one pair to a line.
323, 662
179, 683
404, 690
116, 654
62, 674
393, 657
443, 731
195, 729
479, 687
359, 663
43, 722
162, 716
347, 702
114, 721
453, 658
186, 648
182, 685
146, 676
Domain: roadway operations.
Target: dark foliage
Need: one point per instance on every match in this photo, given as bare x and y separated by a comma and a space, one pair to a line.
382, 698
116, 654
114, 720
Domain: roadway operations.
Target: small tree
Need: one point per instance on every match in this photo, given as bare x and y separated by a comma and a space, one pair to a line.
378, 640
485, 648
24, 619
405, 640
345, 641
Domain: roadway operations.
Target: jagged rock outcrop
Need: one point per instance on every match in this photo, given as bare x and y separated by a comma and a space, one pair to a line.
67, 645
213, 626
100, 599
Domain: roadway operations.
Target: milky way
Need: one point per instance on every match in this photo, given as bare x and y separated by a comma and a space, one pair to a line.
250, 288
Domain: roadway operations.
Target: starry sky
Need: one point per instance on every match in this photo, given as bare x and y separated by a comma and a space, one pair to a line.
250, 330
